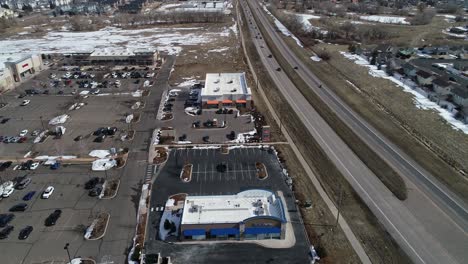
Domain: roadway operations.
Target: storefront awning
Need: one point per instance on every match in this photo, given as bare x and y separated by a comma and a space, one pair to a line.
227, 101
212, 102
241, 101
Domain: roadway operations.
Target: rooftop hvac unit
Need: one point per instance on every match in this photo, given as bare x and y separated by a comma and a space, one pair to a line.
233, 90
230, 81
260, 210
216, 89
194, 208
217, 81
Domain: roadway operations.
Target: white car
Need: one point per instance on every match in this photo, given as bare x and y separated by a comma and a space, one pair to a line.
23, 133
7, 192
25, 102
47, 192
34, 166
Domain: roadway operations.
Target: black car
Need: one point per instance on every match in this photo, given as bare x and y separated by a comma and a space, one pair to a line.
100, 138
92, 183
5, 165
6, 232
95, 191
78, 138
5, 219
53, 217
99, 131
25, 232
23, 183
4, 120
21, 207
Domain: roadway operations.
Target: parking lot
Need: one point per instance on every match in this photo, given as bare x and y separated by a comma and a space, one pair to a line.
207, 180
183, 123
45, 244
86, 114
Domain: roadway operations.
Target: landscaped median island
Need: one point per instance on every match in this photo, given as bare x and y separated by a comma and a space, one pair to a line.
186, 173
160, 155
261, 170
98, 227
109, 189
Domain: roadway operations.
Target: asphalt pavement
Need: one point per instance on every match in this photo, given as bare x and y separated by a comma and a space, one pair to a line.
426, 232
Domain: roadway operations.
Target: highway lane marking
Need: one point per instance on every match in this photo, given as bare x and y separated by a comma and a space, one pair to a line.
292, 102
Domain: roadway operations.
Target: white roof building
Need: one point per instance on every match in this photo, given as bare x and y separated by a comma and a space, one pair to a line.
232, 208
225, 87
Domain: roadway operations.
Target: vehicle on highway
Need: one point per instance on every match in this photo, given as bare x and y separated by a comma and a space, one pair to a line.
25, 102
269, 56
278, 69
23, 133
5, 219
23, 183
29, 196
21, 207
6, 232
47, 192
53, 217
25, 232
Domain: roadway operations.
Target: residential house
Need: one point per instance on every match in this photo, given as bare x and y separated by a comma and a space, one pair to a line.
442, 87
405, 53
461, 65
424, 78
460, 96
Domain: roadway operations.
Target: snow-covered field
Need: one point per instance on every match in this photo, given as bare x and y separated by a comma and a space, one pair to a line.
170, 40
419, 100
283, 28
386, 19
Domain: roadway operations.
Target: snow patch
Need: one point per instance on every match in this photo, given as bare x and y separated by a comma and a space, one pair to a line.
59, 120
99, 153
315, 58
282, 28
103, 164
386, 19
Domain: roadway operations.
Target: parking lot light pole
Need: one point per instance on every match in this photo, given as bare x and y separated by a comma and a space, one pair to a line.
68, 252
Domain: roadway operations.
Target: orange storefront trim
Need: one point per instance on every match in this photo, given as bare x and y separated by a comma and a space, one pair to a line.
212, 102
241, 101
227, 101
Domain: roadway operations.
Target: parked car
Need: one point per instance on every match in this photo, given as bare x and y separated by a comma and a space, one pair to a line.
53, 217
23, 133
95, 191
4, 120
34, 166
6, 232
35, 133
25, 102
23, 183
29, 196
78, 138
21, 207
91, 183
5, 219
47, 192
5, 165
55, 166
7, 192
25, 232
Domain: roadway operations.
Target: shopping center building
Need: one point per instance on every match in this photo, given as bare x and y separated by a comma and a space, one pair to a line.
248, 215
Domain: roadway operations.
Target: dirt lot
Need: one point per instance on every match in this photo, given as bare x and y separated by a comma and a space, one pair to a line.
220, 55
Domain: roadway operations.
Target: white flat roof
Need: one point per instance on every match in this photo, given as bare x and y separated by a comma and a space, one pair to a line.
225, 83
231, 208
117, 52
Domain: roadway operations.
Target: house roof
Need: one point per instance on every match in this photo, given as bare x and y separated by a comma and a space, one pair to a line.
423, 74
461, 92
408, 66
440, 82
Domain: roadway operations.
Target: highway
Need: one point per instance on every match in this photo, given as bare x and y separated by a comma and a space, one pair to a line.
431, 224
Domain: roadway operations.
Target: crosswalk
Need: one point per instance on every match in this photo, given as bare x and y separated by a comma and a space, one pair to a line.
150, 170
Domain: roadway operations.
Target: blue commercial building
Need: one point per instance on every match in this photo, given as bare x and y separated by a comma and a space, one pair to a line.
248, 215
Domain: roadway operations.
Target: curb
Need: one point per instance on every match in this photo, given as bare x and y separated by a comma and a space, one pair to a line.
105, 230
115, 194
